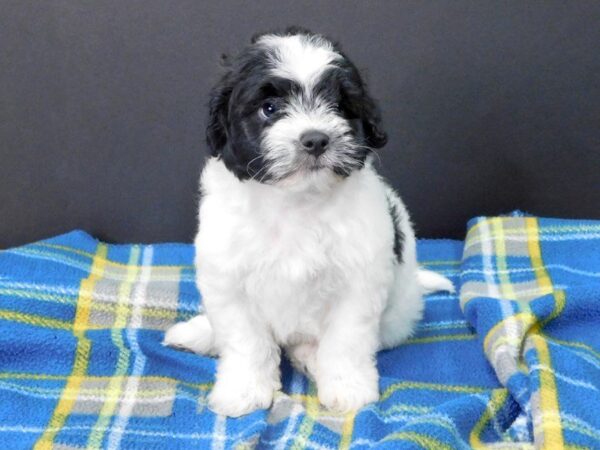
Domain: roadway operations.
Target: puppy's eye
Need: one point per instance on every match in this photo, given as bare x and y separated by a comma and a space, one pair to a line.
268, 109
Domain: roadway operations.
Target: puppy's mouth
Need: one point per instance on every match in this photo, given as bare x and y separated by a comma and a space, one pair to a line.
311, 163
303, 168
315, 163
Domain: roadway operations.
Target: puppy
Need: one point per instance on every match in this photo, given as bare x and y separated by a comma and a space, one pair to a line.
301, 244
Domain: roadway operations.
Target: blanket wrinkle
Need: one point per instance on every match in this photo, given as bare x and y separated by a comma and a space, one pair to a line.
528, 288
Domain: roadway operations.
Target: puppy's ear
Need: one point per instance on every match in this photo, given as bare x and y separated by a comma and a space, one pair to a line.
218, 115
357, 99
375, 136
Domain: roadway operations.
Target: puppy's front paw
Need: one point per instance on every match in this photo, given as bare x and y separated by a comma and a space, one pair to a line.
348, 391
235, 396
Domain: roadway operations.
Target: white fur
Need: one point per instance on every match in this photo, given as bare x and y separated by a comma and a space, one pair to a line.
300, 57
310, 269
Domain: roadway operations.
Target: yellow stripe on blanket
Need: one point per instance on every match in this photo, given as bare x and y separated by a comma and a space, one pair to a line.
82, 352
551, 435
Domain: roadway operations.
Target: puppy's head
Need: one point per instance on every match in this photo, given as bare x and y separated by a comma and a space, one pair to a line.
292, 106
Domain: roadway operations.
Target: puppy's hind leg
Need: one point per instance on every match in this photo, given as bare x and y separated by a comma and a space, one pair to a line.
195, 335
406, 304
403, 311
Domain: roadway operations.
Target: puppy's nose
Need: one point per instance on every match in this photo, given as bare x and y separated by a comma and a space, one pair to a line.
314, 142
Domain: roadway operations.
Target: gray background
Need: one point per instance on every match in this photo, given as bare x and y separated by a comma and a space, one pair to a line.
490, 106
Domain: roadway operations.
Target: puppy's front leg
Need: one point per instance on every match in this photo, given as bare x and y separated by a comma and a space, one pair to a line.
248, 368
346, 374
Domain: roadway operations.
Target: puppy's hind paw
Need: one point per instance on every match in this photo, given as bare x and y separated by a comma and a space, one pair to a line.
195, 335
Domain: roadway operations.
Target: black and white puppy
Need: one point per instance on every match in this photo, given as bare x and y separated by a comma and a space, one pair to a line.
301, 244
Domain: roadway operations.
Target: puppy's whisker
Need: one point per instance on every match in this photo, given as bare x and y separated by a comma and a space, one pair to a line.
251, 161
262, 169
376, 155
366, 147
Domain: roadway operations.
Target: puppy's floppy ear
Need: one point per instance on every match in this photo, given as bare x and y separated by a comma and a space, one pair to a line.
356, 97
375, 136
218, 112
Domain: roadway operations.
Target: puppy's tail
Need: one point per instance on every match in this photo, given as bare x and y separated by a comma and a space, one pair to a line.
432, 282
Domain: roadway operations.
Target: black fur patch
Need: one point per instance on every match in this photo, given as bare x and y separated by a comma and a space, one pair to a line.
398, 235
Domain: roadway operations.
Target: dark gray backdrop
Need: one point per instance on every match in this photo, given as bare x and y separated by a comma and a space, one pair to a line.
490, 106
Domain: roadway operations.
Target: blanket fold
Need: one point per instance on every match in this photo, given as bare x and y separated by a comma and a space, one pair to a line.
531, 289
513, 362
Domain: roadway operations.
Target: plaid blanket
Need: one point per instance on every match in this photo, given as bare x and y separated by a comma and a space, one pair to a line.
82, 365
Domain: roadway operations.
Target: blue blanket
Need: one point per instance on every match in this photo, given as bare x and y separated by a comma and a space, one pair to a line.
82, 365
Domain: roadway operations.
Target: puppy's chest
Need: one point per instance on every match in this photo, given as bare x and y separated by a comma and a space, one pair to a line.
296, 272
296, 248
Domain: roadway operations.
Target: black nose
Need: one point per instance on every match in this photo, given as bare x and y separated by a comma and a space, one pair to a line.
314, 142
